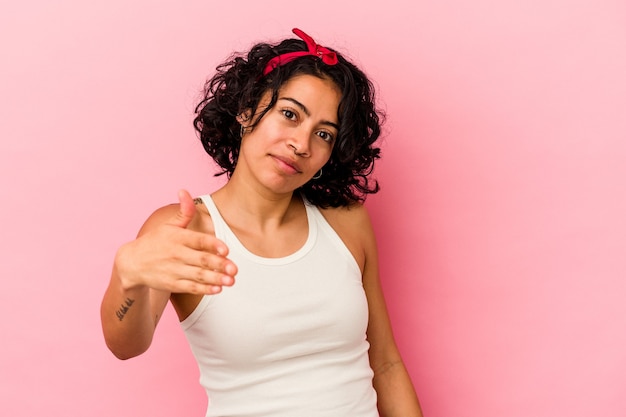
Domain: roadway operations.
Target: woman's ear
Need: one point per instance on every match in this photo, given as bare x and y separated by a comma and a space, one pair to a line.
244, 120
244, 117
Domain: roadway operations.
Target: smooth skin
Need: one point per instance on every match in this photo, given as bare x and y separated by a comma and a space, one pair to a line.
177, 257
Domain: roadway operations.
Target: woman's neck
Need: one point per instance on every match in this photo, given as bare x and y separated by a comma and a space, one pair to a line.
256, 209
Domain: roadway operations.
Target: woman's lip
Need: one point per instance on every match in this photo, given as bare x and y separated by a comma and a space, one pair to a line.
290, 164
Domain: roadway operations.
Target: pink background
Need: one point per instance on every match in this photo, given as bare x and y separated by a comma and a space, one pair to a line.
501, 222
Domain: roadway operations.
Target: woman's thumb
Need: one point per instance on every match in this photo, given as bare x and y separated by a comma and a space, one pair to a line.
186, 210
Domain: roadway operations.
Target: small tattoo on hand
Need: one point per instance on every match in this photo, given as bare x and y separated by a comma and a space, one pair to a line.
124, 308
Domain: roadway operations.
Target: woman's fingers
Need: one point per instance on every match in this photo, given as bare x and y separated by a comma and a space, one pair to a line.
198, 280
205, 261
205, 242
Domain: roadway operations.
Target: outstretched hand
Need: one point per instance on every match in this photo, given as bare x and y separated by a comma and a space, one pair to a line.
170, 257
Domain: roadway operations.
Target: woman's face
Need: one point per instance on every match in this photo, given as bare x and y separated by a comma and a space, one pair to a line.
295, 138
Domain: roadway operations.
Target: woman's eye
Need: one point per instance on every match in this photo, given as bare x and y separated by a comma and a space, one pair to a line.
289, 114
325, 136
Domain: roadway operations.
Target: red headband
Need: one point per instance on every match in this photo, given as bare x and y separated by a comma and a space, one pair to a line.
325, 54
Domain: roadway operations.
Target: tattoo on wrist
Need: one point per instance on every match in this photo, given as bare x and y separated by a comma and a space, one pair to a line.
124, 307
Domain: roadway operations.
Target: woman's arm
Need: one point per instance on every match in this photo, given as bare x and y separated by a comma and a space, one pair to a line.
396, 395
167, 257
129, 317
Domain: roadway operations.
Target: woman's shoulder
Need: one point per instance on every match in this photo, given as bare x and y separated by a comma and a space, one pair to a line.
354, 216
352, 224
200, 221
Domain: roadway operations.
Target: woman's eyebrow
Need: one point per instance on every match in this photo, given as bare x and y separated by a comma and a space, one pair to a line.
306, 111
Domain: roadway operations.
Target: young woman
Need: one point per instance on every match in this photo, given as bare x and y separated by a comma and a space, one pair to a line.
275, 275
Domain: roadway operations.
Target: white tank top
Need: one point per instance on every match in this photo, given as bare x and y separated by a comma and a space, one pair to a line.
288, 339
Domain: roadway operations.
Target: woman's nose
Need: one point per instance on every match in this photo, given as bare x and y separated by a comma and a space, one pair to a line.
299, 142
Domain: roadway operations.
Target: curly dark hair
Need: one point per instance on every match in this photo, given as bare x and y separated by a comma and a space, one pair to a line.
239, 85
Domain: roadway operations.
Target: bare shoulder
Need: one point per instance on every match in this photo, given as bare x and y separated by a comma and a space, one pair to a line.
201, 221
351, 219
352, 224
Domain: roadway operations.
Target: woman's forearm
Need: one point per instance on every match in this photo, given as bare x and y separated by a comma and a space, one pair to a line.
129, 317
396, 395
